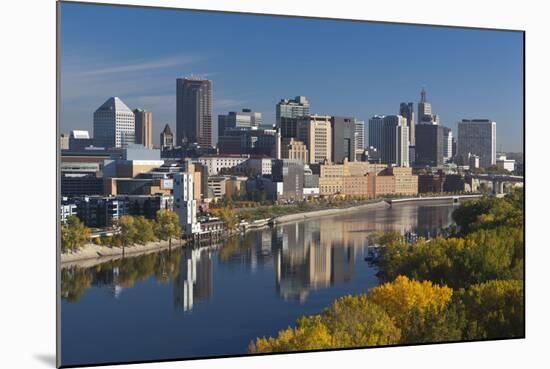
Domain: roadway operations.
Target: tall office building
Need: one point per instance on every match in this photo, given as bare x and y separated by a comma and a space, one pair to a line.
360, 130
447, 144
166, 138
406, 110
193, 111
144, 127
376, 124
316, 132
185, 204
477, 137
360, 139
245, 119
429, 145
114, 124
287, 112
395, 141
344, 139
425, 113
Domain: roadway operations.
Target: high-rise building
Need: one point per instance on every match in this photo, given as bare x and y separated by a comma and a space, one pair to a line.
287, 112
406, 110
114, 124
245, 119
166, 138
344, 139
144, 127
376, 125
395, 141
477, 137
185, 204
360, 138
429, 145
316, 132
193, 111
447, 144
425, 113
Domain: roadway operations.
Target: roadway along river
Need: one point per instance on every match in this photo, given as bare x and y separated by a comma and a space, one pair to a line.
214, 301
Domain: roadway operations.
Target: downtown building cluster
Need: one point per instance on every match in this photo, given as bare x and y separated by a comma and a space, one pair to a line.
118, 170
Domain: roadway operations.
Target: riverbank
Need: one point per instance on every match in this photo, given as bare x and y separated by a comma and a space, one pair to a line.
328, 212
92, 252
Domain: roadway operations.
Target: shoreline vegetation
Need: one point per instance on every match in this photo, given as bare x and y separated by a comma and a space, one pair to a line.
467, 286
91, 254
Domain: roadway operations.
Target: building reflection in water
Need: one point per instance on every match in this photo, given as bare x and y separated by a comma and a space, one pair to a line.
314, 254
306, 255
194, 280
108, 277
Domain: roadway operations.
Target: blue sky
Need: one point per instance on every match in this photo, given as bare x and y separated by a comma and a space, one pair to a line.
344, 68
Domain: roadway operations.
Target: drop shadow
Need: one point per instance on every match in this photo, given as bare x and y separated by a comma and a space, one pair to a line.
48, 359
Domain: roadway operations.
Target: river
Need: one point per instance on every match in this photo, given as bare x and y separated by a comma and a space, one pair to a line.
213, 301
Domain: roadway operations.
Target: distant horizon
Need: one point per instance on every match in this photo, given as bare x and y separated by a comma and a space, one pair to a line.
283, 58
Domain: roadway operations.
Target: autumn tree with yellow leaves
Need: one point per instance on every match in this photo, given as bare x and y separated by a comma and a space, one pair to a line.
468, 286
351, 321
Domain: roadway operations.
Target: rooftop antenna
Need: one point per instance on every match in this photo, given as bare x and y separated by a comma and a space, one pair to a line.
423, 95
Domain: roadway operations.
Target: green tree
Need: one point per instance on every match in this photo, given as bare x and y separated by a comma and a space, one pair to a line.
493, 309
490, 212
144, 230
227, 215
74, 234
127, 233
167, 225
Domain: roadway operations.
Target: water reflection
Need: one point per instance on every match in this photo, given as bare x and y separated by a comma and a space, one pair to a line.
194, 280
314, 254
304, 256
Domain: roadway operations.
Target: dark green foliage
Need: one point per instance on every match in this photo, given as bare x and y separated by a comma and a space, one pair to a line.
493, 309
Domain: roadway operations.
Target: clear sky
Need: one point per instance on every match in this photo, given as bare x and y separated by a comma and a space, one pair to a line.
344, 68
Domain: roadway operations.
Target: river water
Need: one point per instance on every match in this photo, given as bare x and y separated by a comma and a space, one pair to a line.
212, 301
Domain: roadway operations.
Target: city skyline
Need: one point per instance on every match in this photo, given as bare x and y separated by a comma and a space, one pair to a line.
484, 68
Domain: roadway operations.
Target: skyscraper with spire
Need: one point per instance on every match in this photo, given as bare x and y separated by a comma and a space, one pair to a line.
166, 138
425, 113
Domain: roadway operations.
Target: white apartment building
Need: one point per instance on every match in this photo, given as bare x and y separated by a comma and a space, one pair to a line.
185, 204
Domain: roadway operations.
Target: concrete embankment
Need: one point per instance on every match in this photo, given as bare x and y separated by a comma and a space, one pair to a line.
327, 212
434, 198
92, 253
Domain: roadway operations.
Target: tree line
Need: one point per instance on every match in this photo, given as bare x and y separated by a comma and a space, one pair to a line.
128, 230
467, 286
